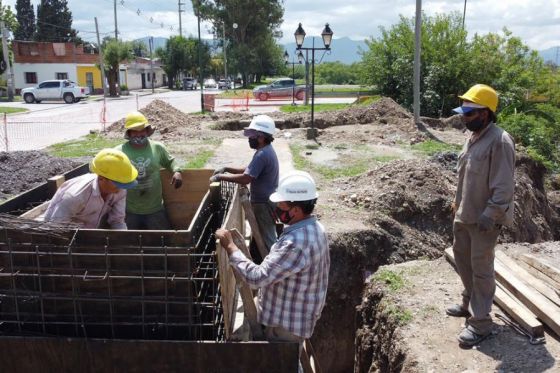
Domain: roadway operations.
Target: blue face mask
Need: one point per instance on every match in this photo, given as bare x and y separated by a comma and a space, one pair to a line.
138, 140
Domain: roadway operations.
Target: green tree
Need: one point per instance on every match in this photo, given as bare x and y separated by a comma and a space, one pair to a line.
180, 55
26, 20
54, 22
114, 52
251, 47
337, 73
11, 23
139, 48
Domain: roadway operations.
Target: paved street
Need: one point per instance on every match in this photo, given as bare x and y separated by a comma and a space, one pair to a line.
49, 123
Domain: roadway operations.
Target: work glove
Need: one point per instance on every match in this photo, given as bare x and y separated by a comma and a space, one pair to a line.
214, 178
485, 223
177, 180
220, 170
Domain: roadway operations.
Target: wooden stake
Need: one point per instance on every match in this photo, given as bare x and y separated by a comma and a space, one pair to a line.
249, 307
250, 215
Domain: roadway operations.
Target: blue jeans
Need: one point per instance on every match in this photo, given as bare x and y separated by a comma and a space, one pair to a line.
157, 221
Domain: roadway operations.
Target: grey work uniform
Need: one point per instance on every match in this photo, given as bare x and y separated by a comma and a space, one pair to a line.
264, 170
485, 186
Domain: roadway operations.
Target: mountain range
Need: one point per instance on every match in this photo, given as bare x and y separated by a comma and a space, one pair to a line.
347, 50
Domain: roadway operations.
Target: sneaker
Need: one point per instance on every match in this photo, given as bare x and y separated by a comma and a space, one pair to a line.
469, 338
457, 311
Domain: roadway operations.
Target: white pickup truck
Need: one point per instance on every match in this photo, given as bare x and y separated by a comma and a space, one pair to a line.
50, 90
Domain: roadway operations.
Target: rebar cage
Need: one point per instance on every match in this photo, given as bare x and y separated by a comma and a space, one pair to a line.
152, 285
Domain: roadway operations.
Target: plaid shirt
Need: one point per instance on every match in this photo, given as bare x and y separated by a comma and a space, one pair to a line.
292, 279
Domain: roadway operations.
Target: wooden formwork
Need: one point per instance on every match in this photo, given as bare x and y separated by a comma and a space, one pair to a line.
129, 292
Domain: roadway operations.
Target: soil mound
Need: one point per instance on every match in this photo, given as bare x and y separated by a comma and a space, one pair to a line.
23, 170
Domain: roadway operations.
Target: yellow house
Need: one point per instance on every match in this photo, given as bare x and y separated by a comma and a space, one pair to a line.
89, 75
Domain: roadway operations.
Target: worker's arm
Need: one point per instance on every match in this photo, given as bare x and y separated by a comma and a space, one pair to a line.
500, 178
242, 179
64, 208
117, 212
282, 261
169, 163
233, 170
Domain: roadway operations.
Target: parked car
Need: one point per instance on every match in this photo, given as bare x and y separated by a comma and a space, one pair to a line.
210, 83
224, 84
279, 88
190, 83
49, 90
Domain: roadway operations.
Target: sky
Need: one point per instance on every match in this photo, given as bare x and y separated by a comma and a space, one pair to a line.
537, 22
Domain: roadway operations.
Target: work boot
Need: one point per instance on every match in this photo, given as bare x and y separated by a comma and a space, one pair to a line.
457, 310
468, 338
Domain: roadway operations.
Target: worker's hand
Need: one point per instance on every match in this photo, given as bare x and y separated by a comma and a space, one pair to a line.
453, 208
221, 170
214, 178
177, 180
225, 240
484, 223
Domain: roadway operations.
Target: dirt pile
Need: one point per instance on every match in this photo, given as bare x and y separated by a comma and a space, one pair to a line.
23, 170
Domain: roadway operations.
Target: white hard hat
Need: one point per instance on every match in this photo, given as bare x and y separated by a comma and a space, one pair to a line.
295, 186
262, 123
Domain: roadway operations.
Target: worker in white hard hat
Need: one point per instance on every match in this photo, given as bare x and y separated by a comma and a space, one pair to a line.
144, 203
293, 278
261, 174
483, 203
99, 196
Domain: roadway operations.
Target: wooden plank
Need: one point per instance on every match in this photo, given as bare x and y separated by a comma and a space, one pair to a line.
527, 277
53, 183
545, 310
513, 307
313, 360
33, 354
538, 274
36, 211
543, 266
250, 215
249, 307
516, 310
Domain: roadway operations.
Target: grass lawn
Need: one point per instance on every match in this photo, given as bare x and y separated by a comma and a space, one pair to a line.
307, 108
199, 160
236, 93
431, 147
12, 110
85, 146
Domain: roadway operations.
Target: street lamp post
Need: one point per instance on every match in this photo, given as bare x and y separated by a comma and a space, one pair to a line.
326, 35
287, 61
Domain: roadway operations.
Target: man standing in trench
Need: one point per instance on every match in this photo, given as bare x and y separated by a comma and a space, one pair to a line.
483, 203
293, 278
262, 173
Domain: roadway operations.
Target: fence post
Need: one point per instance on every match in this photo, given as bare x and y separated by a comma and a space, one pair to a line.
103, 114
6, 131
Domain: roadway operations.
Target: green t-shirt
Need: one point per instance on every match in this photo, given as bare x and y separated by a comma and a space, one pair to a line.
146, 197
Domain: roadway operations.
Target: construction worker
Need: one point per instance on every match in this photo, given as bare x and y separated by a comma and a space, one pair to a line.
88, 199
144, 203
292, 280
261, 173
483, 203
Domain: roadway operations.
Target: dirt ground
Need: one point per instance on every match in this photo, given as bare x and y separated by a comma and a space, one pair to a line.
396, 212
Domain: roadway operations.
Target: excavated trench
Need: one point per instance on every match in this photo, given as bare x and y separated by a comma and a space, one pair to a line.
355, 332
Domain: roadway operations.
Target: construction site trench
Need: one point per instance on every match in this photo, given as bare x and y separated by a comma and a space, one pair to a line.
390, 216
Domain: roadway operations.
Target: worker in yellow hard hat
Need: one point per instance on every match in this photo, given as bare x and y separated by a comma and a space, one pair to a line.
89, 199
144, 203
483, 203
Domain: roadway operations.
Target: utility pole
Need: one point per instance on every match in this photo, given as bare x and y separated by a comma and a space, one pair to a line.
200, 74
115, 11
101, 64
464, 12
9, 72
225, 48
417, 46
152, 61
180, 4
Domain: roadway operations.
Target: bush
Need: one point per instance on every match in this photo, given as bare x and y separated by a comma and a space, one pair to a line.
124, 87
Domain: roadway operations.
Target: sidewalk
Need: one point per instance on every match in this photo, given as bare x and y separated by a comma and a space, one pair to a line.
131, 94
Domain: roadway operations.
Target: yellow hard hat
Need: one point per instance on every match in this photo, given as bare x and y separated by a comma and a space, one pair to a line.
115, 166
483, 95
135, 121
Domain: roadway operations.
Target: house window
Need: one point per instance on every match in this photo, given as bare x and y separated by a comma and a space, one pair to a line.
61, 76
31, 78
